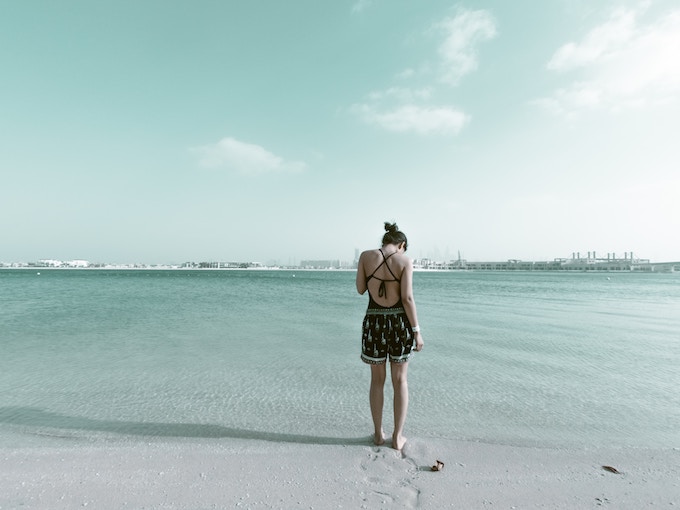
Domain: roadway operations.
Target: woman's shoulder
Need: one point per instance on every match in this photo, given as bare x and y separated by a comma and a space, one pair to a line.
370, 253
402, 258
404, 261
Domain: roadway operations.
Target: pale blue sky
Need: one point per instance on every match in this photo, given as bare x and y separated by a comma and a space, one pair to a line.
165, 131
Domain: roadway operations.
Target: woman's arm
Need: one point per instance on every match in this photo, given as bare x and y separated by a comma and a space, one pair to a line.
361, 276
409, 301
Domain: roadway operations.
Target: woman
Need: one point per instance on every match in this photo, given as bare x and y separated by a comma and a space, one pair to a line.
390, 327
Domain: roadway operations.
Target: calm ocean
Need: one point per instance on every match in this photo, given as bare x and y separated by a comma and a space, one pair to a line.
541, 358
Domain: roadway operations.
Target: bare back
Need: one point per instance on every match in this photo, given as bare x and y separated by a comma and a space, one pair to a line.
381, 273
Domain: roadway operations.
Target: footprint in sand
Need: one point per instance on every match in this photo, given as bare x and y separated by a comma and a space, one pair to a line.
388, 480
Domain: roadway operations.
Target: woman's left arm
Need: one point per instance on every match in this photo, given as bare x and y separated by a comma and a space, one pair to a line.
410, 303
407, 293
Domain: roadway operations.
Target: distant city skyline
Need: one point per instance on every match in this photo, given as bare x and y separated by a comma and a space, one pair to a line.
332, 262
577, 263
167, 131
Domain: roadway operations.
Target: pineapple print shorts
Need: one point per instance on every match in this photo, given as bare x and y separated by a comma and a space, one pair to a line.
386, 334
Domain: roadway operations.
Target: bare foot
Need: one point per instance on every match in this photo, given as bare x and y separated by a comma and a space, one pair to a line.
379, 439
398, 442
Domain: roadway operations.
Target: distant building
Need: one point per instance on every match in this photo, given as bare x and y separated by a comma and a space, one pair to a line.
78, 263
51, 263
320, 264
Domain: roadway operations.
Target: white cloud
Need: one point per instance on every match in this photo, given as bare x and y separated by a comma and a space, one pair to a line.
244, 158
458, 51
361, 5
601, 43
417, 119
405, 74
621, 64
402, 94
410, 109
567, 101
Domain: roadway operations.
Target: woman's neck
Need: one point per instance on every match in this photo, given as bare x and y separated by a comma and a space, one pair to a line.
389, 249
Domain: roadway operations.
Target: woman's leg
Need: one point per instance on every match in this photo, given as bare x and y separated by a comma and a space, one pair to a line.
376, 397
400, 385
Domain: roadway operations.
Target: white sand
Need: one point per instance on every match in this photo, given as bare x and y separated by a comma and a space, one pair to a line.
238, 473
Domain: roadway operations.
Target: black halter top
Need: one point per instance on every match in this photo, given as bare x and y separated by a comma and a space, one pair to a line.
381, 290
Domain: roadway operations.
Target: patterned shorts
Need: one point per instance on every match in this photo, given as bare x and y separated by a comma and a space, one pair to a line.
386, 333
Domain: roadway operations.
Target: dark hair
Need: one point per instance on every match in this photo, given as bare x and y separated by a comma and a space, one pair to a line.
394, 236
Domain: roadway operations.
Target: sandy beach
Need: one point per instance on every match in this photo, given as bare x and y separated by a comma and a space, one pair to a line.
251, 473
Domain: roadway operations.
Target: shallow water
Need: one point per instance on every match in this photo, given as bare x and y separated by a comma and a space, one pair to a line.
549, 359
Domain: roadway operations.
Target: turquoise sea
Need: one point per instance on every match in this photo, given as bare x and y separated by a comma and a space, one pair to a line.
523, 358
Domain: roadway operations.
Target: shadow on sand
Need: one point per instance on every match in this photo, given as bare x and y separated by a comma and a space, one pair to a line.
34, 418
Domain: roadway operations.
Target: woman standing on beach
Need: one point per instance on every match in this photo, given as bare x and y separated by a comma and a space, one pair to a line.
390, 327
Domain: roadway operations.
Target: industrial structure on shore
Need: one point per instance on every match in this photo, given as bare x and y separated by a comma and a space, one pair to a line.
591, 262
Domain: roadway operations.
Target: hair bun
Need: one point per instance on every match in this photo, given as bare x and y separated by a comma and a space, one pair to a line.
391, 227
393, 235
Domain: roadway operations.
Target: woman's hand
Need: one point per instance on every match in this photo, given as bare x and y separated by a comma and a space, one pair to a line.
419, 341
